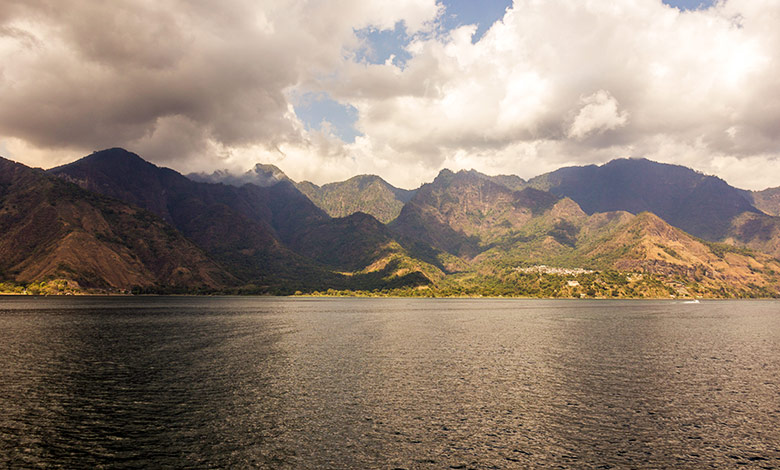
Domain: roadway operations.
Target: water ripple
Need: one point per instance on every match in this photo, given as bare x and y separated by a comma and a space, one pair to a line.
390, 383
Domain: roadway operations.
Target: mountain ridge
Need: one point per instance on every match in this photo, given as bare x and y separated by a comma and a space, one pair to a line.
767, 200
464, 233
470, 216
700, 204
369, 194
252, 229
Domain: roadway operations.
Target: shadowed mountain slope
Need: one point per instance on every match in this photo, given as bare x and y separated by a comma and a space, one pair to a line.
253, 230
51, 229
699, 204
759, 232
463, 213
236, 230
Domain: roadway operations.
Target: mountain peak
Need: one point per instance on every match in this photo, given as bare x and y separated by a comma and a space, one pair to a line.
53, 229
6, 161
648, 219
472, 173
266, 174
363, 181
640, 161
116, 158
362, 193
512, 182
444, 175
116, 155
124, 175
566, 208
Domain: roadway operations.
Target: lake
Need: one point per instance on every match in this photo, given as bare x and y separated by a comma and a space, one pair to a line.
247, 382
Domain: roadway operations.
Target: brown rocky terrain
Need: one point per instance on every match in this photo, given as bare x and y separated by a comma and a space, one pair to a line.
53, 229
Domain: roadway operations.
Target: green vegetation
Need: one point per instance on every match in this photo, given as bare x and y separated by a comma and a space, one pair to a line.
502, 283
50, 287
720, 249
599, 285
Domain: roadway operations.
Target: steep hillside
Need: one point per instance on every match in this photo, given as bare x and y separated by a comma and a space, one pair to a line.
50, 229
499, 231
552, 236
768, 200
364, 193
759, 232
619, 242
228, 226
648, 244
252, 230
699, 204
464, 213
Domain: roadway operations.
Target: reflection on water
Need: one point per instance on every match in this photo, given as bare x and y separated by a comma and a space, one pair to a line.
394, 383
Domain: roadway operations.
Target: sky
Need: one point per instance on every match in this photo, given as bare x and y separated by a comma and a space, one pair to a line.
327, 89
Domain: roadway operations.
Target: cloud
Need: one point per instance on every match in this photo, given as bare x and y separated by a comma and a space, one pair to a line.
201, 85
582, 82
599, 113
174, 78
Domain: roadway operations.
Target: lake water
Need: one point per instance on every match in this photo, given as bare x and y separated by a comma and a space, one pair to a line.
227, 382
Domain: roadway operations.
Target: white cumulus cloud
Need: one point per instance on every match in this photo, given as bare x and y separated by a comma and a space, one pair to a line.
199, 85
599, 113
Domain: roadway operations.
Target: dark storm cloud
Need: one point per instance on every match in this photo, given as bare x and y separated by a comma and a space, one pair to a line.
109, 73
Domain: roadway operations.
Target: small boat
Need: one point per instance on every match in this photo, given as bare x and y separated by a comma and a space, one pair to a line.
694, 301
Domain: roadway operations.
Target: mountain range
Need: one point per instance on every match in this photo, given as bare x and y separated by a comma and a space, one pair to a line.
362, 193
112, 221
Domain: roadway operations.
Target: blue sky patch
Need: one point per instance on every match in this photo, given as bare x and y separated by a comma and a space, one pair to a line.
690, 4
314, 109
381, 45
483, 13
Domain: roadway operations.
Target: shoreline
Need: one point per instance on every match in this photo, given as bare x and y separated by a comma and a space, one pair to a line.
378, 296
